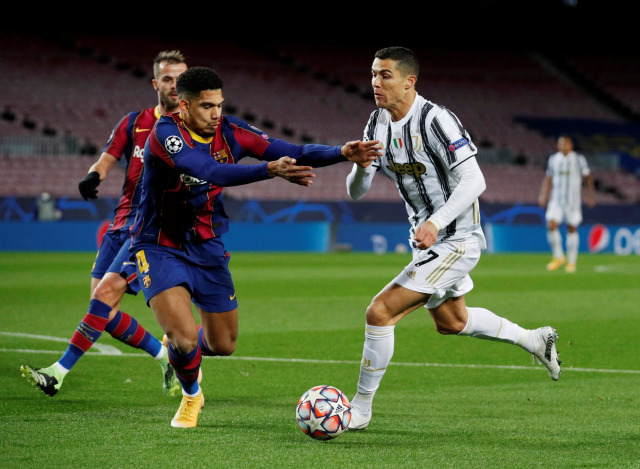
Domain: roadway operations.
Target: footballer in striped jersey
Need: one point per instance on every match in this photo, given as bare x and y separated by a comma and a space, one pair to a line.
430, 157
561, 192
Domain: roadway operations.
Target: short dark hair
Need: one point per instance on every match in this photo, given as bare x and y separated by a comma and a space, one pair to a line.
405, 59
197, 79
169, 56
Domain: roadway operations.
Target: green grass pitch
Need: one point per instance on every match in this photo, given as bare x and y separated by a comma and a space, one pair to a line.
445, 401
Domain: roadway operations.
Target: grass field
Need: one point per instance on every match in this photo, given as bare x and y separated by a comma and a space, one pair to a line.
452, 402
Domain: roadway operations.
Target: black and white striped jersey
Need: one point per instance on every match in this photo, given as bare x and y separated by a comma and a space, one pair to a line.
566, 174
420, 152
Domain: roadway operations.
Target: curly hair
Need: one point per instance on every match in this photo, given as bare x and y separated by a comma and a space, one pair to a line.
196, 79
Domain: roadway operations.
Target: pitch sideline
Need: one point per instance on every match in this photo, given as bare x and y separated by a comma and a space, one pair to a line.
108, 350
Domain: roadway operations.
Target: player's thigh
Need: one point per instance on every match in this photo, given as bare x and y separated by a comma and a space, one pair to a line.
172, 310
554, 214
392, 304
574, 216
110, 289
220, 330
450, 316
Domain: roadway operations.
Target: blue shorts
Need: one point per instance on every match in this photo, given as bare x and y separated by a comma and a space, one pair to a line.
201, 267
114, 256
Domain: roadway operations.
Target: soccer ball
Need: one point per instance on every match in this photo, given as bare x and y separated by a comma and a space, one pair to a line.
323, 412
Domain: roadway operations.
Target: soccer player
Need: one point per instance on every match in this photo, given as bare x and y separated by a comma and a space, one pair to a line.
180, 255
113, 274
566, 171
431, 158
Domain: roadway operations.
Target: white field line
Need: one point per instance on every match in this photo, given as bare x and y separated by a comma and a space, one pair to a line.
107, 350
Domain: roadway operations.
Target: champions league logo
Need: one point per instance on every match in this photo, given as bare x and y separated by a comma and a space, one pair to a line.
173, 144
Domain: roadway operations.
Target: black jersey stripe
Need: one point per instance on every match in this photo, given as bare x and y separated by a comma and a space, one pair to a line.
398, 177
370, 130
419, 182
444, 140
437, 163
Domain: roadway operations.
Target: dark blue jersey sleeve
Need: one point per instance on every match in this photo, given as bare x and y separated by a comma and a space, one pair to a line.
305, 155
201, 165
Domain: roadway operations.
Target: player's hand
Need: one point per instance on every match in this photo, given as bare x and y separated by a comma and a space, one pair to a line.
362, 153
286, 168
88, 186
426, 235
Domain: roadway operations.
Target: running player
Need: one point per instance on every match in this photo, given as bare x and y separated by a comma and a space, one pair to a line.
112, 274
562, 189
181, 259
431, 158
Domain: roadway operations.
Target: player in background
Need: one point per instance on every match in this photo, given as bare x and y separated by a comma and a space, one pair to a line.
562, 189
113, 274
180, 254
431, 158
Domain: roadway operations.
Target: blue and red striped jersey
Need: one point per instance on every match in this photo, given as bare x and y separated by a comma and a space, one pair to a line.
127, 140
184, 175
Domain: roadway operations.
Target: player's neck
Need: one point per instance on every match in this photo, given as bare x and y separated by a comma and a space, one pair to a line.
400, 111
165, 111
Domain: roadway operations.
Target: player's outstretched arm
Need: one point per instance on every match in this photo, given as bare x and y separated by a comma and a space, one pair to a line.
286, 169
362, 153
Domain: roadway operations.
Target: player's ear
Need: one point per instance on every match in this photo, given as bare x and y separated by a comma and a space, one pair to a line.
155, 84
410, 82
184, 106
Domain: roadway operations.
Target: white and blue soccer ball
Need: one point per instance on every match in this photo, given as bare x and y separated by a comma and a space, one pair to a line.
323, 412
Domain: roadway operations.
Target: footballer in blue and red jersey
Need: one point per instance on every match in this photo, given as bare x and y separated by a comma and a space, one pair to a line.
126, 141
182, 210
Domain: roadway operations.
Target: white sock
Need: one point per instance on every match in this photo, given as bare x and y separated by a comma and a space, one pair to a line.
61, 368
483, 324
160, 355
573, 242
376, 356
555, 241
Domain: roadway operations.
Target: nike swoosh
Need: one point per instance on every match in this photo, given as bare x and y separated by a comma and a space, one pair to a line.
142, 130
231, 297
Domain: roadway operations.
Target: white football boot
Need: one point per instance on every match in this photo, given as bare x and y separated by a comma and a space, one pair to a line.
545, 350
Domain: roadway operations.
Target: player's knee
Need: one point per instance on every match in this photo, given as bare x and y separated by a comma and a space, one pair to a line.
450, 326
378, 314
224, 348
109, 291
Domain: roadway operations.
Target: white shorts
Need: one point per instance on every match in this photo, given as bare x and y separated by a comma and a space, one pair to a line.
442, 271
564, 213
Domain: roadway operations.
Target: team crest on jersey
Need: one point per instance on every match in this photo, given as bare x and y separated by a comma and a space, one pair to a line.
173, 144
458, 144
221, 156
146, 280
